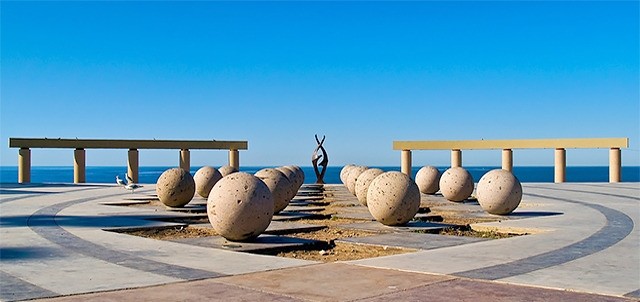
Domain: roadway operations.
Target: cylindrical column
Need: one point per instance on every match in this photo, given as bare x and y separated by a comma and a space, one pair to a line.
615, 165
24, 165
456, 158
185, 160
79, 166
405, 162
132, 165
507, 160
234, 158
560, 165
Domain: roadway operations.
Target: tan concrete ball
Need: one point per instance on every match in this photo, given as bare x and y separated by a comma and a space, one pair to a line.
240, 207
363, 182
352, 177
499, 192
456, 184
344, 172
279, 186
393, 198
290, 175
428, 179
205, 178
175, 187
226, 170
299, 176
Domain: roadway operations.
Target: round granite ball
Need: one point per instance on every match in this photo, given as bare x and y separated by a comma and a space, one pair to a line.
352, 177
226, 170
499, 192
456, 184
344, 172
279, 186
363, 182
240, 207
393, 198
428, 179
175, 187
290, 175
205, 178
299, 176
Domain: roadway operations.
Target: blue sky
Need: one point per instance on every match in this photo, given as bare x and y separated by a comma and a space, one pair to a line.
362, 73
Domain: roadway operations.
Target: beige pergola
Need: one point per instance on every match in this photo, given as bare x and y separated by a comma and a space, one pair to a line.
79, 168
560, 145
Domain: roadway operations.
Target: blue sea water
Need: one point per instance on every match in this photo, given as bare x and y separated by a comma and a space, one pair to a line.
101, 174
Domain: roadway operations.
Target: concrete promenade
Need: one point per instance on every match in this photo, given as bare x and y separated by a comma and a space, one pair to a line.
584, 245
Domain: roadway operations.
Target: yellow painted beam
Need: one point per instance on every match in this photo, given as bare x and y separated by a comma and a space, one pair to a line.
566, 143
124, 144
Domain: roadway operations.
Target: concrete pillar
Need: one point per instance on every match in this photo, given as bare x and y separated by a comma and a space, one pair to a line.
24, 165
234, 158
132, 165
185, 160
405, 162
456, 158
79, 166
560, 165
615, 165
507, 160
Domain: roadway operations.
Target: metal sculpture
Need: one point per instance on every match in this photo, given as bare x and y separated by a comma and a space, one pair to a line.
323, 163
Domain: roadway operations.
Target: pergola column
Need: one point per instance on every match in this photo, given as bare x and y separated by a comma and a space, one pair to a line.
456, 158
560, 166
79, 166
133, 165
234, 158
185, 160
615, 164
24, 165
507, 159
405, 162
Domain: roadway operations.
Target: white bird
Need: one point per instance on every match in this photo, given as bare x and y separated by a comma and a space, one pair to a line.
119, 181
132, 187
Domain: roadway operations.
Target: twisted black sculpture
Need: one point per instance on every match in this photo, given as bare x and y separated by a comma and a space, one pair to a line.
325, 160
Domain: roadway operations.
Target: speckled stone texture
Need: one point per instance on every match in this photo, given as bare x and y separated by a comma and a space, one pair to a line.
363, 182
299, 176
352, 177
499, 192
279, 186
428, 179
175, 187
456, 184
226, 170
291, 176
240, 207
205, 178
393, 198
344, 172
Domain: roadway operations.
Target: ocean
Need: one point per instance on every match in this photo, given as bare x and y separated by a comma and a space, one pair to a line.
147, 175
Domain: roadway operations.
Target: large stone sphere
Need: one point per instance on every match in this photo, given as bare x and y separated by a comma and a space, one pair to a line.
279, 186
344, 172
226, 170
240, 207
456, 184
352, 177
499, 192
362, 184
428, 179
205, 178
298, 178
393, 198
290, 175
175, 187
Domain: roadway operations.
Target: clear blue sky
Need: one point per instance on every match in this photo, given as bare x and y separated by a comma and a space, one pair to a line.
362, 73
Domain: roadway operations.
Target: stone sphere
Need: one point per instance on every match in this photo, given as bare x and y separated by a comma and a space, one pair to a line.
279, 186
226, 170
456, 184
393, 198
205, 178
240, 207
363, 182
290, 175
499, 192
428, 179
175, 187
344, 172
299, 176
352, 177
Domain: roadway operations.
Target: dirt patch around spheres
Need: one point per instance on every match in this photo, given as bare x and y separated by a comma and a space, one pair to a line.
173, 233
467, 231
344, 252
